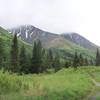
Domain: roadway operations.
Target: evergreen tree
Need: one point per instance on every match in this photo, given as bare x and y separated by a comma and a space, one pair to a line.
91, 62
86, 62
33, 68
97, 58
67, 64
50, 58
23, 60
43, 65
37, 54
56, 63
1, 53
29, 63
76, 60
81, 60
14, 55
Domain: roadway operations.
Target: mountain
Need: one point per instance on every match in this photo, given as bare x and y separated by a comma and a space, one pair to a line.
30, 33
7, 40
65, 44
79, 40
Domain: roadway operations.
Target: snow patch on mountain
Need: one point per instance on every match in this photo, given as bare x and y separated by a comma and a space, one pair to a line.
26, 34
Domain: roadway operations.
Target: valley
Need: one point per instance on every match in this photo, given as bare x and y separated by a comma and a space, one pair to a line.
49, 49
55, 78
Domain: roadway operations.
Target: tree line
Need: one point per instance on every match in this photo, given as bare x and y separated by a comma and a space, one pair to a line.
97, 58
41, 59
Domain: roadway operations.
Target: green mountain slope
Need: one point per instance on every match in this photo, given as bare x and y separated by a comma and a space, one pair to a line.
66, 45
59, 44
7, 40
67, 48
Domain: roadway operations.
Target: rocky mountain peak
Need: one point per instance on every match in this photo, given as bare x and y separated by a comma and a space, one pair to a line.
29, 34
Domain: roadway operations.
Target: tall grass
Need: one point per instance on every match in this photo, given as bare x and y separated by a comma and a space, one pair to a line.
67, 84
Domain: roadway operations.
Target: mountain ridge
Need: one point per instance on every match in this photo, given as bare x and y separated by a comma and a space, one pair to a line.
29, 34
80, 40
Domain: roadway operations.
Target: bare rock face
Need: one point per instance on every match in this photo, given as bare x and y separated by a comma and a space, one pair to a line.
29, 34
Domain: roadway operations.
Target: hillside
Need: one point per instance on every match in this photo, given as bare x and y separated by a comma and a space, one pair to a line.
79, 40
7, 40
63, 43
30, 33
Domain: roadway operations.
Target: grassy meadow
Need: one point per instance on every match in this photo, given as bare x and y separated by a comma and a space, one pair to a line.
67, 84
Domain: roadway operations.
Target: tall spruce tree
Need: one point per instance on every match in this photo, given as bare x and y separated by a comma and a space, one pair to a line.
76, 60
67, 64
1, 53
37, 54
91, 62
97, 58
50, 58
81, 60
56, 63
14, 55
86, 62
44, 61
23, 60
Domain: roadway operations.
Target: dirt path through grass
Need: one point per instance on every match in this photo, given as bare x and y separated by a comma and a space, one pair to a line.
94, 96
95, 82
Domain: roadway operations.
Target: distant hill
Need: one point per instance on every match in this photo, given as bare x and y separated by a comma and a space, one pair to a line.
79, 40
65, 44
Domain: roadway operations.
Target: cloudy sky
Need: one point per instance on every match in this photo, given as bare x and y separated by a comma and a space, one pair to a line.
58, 16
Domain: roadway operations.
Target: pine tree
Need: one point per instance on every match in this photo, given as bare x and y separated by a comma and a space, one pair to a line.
67, 64
86, 62
14, 55
81, 60
91, 62
1, 53
76, 60
23, 60
37, 54
50, 58
97, 58
34, 67
45, 61
56, 63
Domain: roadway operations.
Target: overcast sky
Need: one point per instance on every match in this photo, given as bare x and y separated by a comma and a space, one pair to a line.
58, 16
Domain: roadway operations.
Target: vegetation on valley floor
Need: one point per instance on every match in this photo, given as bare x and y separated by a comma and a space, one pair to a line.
40, 59
66, 84
19, 79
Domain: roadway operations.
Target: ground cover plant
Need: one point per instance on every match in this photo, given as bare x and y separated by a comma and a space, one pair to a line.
66, 84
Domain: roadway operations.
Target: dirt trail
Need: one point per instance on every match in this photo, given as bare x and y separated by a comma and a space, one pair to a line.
95, 82
93, 97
